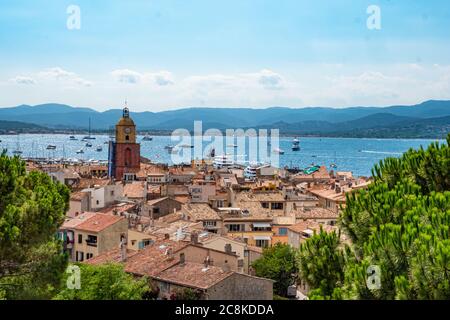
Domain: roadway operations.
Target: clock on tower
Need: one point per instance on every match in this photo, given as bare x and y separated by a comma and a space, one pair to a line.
124, 152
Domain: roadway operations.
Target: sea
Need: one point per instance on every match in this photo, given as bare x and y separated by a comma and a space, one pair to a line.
347, 154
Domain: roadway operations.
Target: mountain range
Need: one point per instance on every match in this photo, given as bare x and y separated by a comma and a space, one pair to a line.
427, 119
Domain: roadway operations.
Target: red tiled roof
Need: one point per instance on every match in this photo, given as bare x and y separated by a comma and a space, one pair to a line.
194, 275
92, 221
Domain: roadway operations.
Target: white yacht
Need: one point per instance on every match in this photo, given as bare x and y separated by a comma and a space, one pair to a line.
250, 172
278, 150
80, 151
223, 161
147, 138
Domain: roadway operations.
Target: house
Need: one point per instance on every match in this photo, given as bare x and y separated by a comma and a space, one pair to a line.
253, 227
331, 199
201, 191
244, 252
157, 208
201, 212
316, 214
318, 175
138, 240
91, 234
69, 177
135, 191
173, 265
304, 230
104, 195
79, 202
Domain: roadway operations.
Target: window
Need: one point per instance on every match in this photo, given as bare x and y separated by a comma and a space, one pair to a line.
112, 192
265, 205
282, 231
80, 238
236, 227
277, 206
79, 256
98, 202
209, 224
91, 240
156, 210
127, 137
262, 243
89, 255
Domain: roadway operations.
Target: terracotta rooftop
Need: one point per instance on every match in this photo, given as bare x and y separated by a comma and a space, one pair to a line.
311, 225
92, 221
154, 258
78, 196
199, 212
134, 190
315, 213
329, 194
112, 256
194, 275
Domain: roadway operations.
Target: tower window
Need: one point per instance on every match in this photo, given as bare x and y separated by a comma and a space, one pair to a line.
127, 137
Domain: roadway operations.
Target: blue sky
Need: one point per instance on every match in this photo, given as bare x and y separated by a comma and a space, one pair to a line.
165, 54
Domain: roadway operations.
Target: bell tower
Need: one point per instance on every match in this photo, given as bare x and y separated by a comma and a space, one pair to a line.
124, 152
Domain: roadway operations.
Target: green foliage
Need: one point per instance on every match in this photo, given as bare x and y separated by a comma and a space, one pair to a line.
105, 282
401, 224
32, 207
277, 263
321, 263
186, 294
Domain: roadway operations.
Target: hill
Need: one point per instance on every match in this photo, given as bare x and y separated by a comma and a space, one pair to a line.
358, 121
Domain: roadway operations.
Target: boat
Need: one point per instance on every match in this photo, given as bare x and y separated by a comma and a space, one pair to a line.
99, 149
212, 153
232, 145
73, 138
186, 146
51, 147
106, 142
147, 138
80, 151
89, 137
223, 161
333, 165
278, 150
250, 172
295, 145
88, 144
18, 151
168, 147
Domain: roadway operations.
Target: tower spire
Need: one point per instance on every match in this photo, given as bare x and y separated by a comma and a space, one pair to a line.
126, 111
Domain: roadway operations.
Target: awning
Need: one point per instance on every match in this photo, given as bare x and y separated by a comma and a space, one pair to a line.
261, 238
261, 225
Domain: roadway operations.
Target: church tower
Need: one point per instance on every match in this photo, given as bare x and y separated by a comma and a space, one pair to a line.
124, 153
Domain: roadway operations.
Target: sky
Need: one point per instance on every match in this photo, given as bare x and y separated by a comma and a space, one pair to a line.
170, 54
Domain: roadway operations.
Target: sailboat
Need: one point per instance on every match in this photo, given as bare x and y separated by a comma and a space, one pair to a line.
18, 152
89, 136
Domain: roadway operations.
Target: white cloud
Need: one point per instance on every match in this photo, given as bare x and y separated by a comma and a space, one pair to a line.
127, 76
161, 78
23, 80
59, 74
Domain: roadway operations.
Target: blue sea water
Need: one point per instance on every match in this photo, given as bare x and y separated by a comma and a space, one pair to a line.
356, 155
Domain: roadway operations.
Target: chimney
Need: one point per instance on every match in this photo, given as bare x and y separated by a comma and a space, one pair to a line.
194, 238
123, 248
228, 248
182, 258
207, 262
